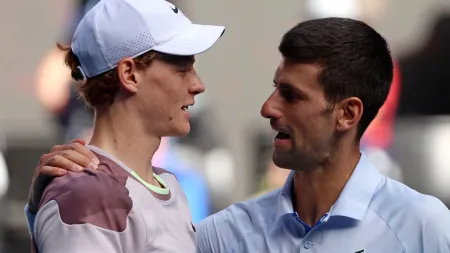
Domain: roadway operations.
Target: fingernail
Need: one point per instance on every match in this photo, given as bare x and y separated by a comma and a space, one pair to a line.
93, 166
62, 172
78, 168
96, 161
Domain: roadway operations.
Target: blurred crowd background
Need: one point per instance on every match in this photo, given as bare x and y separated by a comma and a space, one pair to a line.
227, 156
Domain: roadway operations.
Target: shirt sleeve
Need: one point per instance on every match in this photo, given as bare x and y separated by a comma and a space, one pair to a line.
425, 228
30, 219
88, 213
203, 242
436, 234
207, 236
53, 235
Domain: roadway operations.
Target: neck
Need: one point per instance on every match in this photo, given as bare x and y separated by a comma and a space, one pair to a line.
317, 190
117, 132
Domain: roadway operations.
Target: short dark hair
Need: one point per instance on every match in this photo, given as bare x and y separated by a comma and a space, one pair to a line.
355, 60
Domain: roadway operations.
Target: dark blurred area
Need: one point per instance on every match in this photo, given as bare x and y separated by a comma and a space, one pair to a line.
425, 74
423, 124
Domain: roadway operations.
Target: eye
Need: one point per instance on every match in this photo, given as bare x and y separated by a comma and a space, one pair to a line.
287, 93
185, 69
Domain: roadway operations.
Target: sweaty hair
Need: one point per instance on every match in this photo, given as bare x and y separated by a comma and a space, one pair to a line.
100, 90
355, 61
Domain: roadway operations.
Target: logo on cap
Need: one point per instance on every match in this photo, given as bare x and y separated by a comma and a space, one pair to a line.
175, 9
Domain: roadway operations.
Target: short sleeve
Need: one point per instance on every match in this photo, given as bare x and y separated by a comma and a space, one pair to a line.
88, 213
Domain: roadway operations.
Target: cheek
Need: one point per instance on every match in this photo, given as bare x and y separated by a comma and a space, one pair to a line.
167, 95
310, 128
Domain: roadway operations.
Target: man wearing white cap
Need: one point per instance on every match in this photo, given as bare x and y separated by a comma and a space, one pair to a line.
135, 58
334, 76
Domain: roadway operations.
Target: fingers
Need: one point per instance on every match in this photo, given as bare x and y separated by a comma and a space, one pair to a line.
77, 146
70, 160
52, 171
80, 148
40, 181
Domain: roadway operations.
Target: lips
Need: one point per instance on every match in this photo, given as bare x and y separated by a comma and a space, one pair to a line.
283, 132
186, 106
282, 136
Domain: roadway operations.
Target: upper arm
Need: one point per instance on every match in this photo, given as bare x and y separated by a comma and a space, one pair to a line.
53, 235
436, 233
91, 213
426, 228
205, 238
213, 234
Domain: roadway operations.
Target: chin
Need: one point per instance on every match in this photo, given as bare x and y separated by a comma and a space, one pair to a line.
176, 130
183, 130
282, 160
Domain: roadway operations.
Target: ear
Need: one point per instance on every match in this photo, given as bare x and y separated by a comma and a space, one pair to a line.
127, 73
350, 112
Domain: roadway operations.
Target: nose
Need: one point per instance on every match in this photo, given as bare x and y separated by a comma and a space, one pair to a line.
197, 86
271, 108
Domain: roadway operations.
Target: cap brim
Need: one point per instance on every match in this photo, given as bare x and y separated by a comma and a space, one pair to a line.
195, 39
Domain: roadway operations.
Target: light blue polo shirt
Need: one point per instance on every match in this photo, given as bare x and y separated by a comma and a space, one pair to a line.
373, 214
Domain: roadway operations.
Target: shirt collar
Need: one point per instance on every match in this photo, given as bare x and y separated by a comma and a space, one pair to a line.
354, 199
284, 205
359, 190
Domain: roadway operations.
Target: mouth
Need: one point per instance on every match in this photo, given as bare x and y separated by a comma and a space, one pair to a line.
185, 107
282, 136
282, 132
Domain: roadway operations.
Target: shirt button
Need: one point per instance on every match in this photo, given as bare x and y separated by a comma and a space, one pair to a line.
308, 244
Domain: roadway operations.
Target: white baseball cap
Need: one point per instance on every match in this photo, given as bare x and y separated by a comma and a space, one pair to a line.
115, 29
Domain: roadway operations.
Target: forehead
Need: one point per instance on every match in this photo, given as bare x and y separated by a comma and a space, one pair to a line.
300, 75
176, 60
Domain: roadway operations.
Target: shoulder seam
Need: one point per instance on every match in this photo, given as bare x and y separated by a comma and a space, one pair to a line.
389, 226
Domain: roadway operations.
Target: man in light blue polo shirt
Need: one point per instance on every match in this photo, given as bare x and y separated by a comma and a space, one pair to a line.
334, 76
372, 214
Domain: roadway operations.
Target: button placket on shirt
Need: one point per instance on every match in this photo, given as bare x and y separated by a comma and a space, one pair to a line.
308, 244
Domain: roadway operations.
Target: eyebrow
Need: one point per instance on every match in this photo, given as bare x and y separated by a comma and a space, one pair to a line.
290, 86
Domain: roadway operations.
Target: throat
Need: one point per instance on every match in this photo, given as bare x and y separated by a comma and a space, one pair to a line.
310, 212
313, 197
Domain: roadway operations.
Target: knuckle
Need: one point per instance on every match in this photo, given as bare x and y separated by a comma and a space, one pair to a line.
65, 153
76, 145
73, 146
54, 159
43, 158
54, 148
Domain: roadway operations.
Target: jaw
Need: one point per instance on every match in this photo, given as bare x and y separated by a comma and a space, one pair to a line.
283, 159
